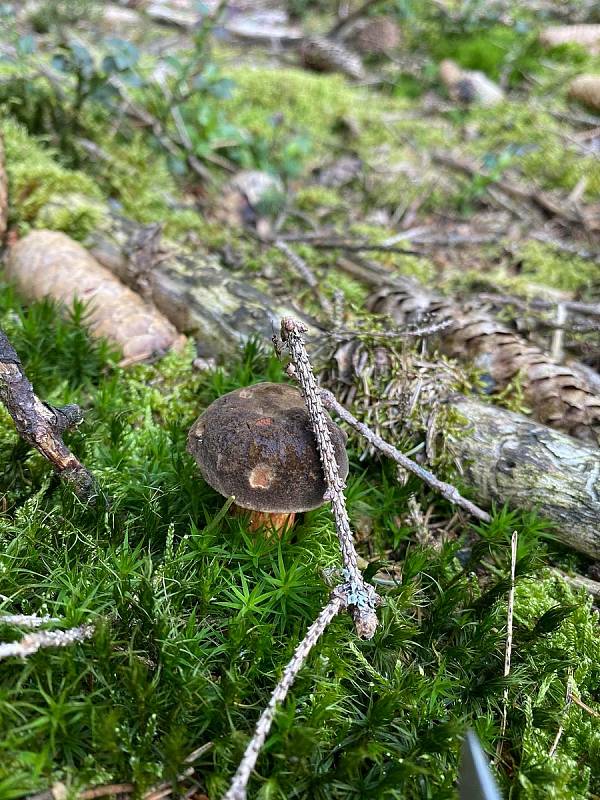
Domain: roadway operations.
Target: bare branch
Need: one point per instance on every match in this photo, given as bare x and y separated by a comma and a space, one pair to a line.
237, 790
362, 599
42, 425
35, 641
448, 491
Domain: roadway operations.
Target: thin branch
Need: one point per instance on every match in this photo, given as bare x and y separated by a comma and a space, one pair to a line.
26, 620
307, 276
509, 637
40, 424
237, 790
33, 642
448, 491
362, 596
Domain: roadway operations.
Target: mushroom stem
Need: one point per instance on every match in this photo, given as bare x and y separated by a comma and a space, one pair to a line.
276, 522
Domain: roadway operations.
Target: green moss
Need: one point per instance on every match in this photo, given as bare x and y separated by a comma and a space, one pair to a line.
36, 178
317, 198
559, 270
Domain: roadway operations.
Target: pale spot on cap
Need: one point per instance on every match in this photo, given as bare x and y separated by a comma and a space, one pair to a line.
261, 476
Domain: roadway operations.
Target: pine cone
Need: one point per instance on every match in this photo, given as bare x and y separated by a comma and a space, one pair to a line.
588, 36
558, 396
325, 55
586, 89
376, 36
466, 86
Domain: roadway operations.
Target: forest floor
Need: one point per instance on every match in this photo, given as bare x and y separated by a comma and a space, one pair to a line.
194, 617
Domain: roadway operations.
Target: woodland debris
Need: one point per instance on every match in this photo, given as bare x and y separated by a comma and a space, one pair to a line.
503, 457
327, 55
587, 36
558, 395
506, 458
50, 264
561, 208
192, 289
248, 198
448, 491
237, 790
468, 86
362, 599
586, 89
40, 424
375, 36
33, 642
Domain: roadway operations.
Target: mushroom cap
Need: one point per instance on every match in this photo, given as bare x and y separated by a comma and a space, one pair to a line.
257, 444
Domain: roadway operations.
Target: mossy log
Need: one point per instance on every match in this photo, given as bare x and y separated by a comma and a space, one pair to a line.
507, 458
216, 306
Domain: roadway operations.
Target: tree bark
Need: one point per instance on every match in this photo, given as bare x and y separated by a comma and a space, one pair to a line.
507, 458
194, 291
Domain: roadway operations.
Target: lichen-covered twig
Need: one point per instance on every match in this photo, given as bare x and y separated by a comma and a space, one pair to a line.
26, 620
237, 790
35, 641
509, 637
362, 598
448, 491
40, 424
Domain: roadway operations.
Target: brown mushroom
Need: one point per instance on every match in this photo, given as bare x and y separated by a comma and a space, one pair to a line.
258, 445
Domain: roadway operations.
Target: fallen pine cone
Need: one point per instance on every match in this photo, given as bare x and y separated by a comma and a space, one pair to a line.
50, 264
558, 396
467, 86
376, 36
586, 89
588, 36
325, 55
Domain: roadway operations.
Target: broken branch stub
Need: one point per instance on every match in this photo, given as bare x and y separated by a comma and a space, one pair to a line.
40, 424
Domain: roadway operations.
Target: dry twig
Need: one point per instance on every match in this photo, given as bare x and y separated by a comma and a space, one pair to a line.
307, 276
33, 642
448, 491
237, 790
509, 637
40, 424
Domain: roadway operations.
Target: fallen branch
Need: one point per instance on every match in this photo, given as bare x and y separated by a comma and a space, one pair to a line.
33, 642
239, 784
362, 598
40, 424
448, 491
503, 457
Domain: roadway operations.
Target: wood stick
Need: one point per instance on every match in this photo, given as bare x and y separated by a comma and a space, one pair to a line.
40, 424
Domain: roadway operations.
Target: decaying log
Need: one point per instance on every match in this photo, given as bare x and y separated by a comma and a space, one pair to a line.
216, 306
509, 459
40, 424
50, 264
558, 395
